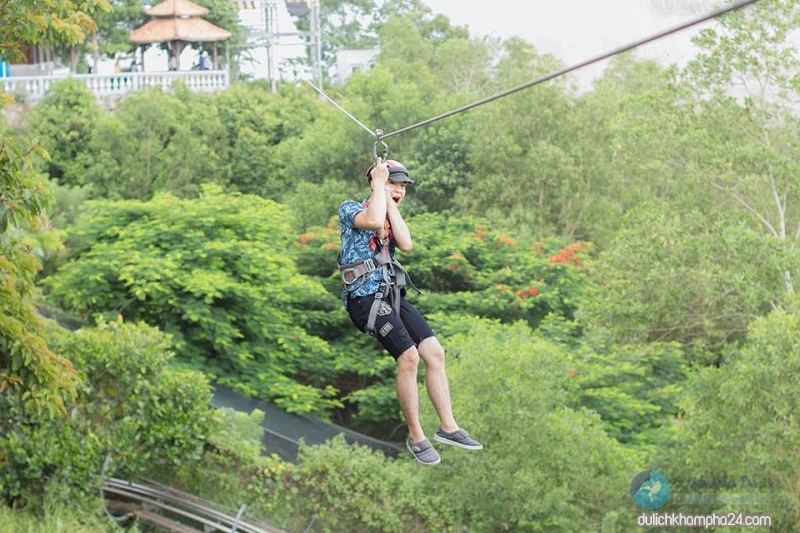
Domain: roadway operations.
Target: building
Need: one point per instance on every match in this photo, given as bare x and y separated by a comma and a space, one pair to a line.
348, 62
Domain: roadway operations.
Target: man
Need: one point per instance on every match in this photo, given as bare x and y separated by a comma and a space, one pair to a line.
374, 297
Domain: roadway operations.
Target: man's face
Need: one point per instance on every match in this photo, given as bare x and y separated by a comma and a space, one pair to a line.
396, 190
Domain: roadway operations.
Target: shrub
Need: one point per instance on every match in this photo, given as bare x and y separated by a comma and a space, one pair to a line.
130, 405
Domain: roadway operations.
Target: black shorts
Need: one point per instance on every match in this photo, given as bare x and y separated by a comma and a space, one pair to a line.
395, 333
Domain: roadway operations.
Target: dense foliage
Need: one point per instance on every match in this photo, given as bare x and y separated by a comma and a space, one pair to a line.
131, 408
213, 273
30, 22
613, 273
741, 421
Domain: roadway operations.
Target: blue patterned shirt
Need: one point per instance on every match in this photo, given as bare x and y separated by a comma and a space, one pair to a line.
358, 245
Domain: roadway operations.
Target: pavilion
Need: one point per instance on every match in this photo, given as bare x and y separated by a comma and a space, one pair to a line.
178, 23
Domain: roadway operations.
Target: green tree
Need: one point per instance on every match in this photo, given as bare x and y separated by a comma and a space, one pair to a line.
469, 266
631, 138
314, 206
158, 142
114, 28
258, 123
439, 154
117, 170
526, 176
636, 389
439, 164
130, 406
30, 22
748, 71
31, 375
655, 135
64, 124
698, 278
510, 389
331, 146
351, 488
462, 266
214, 273
740, 423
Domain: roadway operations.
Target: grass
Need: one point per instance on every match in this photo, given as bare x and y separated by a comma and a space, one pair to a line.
56, 520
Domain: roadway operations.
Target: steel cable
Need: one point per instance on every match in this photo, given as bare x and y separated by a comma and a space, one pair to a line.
722, 11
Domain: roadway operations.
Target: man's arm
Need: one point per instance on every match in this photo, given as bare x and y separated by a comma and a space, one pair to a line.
402, 235
373, 217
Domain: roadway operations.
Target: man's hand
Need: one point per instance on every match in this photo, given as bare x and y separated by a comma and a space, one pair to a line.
380, 174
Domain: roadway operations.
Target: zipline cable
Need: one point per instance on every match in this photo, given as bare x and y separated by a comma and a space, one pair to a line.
377, 134
722, 11
343, 110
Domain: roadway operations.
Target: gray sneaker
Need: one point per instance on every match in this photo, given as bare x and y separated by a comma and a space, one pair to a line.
424, 452
458, 438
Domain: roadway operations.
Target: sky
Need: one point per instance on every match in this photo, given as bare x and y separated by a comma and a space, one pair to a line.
572, 30
575, 30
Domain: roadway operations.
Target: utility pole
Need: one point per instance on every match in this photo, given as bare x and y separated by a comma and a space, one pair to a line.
316, 42
269, 35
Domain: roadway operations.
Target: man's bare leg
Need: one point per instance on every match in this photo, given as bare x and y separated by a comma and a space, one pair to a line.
436, 382
407, 392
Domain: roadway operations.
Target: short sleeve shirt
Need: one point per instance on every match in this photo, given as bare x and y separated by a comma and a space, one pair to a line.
359, 245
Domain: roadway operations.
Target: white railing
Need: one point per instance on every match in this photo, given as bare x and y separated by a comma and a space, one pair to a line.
34, 88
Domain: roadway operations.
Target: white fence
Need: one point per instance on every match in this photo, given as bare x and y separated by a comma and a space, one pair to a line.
33, 88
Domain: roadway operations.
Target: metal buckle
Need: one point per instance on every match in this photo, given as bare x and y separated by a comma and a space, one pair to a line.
347, 273
369, 264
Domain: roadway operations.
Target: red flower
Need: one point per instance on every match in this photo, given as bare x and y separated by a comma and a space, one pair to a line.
569, 254
525, 293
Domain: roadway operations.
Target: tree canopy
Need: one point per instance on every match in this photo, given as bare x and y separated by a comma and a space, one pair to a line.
611, 270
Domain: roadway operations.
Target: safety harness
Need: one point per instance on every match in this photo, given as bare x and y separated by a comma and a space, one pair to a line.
354, 275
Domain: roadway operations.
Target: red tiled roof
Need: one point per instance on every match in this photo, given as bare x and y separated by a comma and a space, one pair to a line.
176, 8
192, 29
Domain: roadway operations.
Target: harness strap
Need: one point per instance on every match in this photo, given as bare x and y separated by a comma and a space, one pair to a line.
386, 288
354, 271
373, 312
390, 268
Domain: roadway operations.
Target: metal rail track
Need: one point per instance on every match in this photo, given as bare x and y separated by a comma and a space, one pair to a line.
174, 510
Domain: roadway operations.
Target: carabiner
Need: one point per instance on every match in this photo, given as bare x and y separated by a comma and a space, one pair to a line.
378, 135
